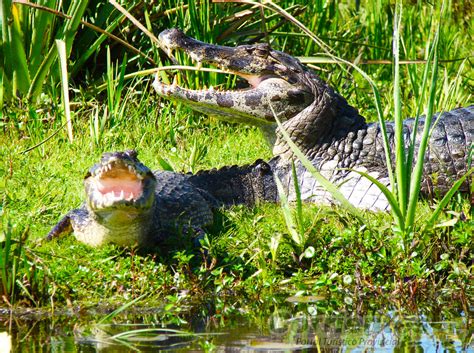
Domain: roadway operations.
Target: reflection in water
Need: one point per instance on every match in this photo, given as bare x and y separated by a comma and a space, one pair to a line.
286, 329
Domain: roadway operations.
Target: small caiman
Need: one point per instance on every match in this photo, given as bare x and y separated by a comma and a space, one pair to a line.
127, 204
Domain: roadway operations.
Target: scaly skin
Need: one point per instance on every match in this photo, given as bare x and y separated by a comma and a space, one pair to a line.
127, 204
319, 121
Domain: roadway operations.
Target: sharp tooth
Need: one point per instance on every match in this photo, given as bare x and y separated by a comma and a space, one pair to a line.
169, 52
211, 88
194, 57
131, 196
122, 195
199, 65
175, 82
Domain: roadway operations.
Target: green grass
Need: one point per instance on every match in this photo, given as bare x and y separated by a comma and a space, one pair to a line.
252, 254
46, 182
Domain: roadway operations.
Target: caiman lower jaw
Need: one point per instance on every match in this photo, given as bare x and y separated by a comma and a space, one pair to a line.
249, 106
117, 185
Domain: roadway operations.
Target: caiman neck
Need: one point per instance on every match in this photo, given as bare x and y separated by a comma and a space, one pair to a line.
328, 119
120, 227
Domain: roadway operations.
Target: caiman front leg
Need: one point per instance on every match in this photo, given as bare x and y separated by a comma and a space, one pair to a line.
65, 225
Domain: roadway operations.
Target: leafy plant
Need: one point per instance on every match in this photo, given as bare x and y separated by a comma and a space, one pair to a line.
29, 54
22, 274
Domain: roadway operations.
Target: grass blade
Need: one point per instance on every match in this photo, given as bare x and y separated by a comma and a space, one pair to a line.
411, 151
76, 10
299, 204
94, 46
40, 75
402, 179
330, 187
117, 311
61, 45
67, 34
1, 92
43, 23
417, 172
15, 48
391, 198
134, 21
285, 207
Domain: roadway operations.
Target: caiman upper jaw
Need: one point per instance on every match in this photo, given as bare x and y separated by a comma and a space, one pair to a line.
245, 60
172, 39
118, 181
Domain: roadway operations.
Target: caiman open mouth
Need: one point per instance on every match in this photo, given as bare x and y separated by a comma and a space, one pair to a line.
119, 180
274, 80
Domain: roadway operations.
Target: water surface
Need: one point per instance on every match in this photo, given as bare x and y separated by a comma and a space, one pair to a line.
287, 328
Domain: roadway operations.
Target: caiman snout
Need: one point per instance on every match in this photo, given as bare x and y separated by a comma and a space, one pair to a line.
171, 39
119, 180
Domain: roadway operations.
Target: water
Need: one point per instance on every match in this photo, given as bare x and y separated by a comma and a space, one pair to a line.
283, 329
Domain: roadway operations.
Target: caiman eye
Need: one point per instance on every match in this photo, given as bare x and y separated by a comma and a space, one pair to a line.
262, 50
295, 70
106, 156
131, 153
262, 167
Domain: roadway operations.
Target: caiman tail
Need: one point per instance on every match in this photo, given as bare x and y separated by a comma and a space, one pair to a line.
235, 185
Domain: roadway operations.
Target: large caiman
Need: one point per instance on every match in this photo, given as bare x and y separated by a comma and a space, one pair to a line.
332, 134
